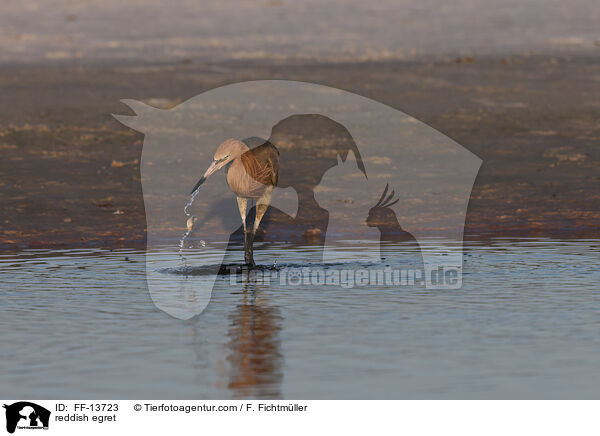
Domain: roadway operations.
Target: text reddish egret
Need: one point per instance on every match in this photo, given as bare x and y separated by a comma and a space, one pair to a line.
251, 174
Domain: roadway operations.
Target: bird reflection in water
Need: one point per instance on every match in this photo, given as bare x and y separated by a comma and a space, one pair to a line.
256, 362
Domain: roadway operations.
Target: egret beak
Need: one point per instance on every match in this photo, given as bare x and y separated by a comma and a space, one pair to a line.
211, 169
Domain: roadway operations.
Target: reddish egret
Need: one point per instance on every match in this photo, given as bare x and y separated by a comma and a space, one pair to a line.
251, 174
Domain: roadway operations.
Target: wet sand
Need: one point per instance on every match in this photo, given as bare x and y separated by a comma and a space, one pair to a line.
70, 172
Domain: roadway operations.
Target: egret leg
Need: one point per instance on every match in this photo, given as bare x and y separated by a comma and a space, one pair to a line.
248, 251
242, 206
262, 204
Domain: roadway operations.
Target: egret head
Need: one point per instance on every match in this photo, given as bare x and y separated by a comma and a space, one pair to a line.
226, 152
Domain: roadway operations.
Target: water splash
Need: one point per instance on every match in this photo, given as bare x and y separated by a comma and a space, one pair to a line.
186, 209
190, 225
181, 242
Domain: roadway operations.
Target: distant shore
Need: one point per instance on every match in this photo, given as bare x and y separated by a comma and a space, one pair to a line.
71, 172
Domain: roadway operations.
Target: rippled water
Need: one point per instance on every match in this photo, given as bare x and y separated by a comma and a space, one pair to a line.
526, 324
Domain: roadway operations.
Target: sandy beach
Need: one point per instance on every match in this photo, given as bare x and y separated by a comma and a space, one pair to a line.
71, 171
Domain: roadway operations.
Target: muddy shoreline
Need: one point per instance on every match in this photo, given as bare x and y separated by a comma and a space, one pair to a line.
71, 177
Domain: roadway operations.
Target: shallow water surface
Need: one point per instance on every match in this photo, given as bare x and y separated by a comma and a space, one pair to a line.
525, 324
